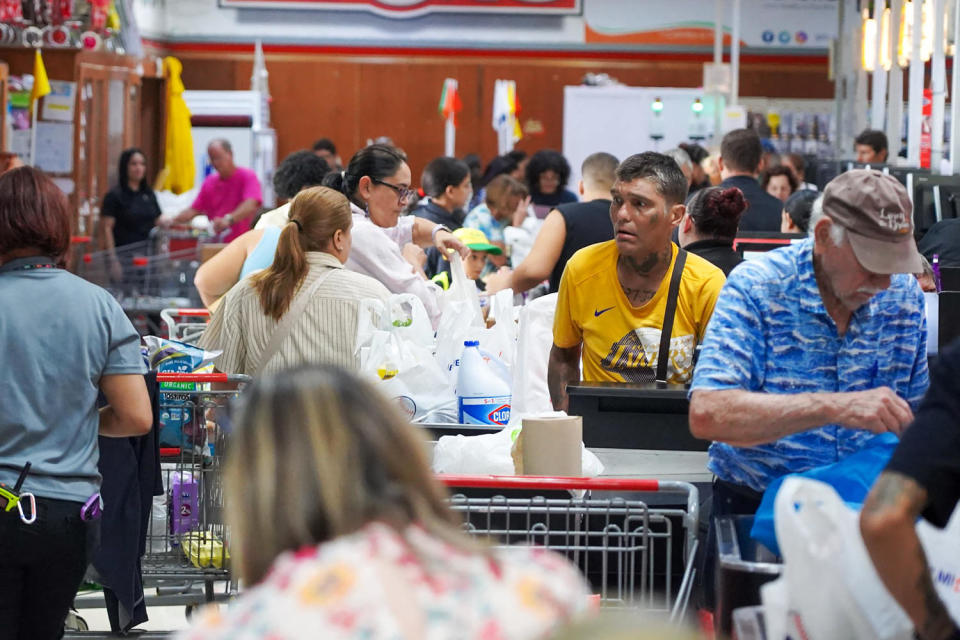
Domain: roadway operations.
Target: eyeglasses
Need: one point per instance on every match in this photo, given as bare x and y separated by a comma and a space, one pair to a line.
403, 193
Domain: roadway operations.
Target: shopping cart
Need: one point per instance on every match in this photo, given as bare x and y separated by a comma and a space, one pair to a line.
185, 325
622, 544
147, 277
187, 559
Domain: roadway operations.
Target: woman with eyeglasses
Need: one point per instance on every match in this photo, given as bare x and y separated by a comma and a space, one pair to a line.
386, 246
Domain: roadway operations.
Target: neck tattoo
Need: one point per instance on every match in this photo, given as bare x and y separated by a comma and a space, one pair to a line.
645, 266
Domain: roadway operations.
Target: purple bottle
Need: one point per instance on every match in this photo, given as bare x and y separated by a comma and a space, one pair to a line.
184, 502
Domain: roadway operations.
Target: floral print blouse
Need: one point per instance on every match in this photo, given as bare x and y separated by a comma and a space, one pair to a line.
380, 584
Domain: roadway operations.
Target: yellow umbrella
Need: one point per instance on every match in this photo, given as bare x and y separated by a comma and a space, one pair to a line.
179, 169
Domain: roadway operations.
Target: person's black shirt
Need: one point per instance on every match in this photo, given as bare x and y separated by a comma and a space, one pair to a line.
587, 223
435, 213
719, 253
943, 239
135, 213
929, 451
764, 212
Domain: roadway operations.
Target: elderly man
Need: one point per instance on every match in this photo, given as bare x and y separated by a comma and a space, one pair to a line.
923, 478
624, 302
815, 347
228, 197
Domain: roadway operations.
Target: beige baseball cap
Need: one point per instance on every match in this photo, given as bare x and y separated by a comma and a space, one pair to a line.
876, 211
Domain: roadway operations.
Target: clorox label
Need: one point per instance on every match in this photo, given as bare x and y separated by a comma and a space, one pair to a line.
490, 411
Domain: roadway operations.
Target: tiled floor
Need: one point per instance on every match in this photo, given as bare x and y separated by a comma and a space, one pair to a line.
171, 618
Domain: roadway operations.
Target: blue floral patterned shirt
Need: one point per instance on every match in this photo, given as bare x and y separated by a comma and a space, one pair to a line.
481, 218
770, 332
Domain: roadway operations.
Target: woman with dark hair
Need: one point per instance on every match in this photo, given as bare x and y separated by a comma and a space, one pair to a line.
797, 210
386, 246
342, 531
547, 175
446, 183
779, 182
709, 226
130, 209
312, 249
64, 341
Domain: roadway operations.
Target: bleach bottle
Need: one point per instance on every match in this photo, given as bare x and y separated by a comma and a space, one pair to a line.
483, 387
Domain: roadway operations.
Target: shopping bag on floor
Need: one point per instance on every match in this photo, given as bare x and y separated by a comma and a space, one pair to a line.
829, 587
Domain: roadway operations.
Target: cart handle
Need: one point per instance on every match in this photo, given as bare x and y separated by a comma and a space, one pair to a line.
202, 377
548, 482
189, 313
80, 239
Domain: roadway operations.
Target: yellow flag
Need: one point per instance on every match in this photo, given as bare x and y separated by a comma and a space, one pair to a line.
41, 84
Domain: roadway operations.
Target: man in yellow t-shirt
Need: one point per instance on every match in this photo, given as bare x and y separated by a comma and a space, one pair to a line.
613, 295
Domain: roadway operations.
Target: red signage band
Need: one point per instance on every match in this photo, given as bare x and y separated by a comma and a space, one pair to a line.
415, 8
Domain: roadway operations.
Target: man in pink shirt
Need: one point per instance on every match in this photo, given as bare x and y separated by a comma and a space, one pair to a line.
229, 197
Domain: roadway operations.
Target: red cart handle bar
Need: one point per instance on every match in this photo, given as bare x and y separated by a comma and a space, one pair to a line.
548, 482
201, 377
200, 313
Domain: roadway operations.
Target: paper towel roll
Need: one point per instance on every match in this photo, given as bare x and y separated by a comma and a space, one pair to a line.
551, 446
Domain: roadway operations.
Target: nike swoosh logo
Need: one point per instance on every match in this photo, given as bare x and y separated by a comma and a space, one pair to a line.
600, 312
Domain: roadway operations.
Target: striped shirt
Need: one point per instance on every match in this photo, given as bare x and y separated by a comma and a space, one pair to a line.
326, 333
770, 332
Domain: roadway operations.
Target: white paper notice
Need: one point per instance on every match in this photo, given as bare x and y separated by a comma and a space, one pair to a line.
54, 147
59, 103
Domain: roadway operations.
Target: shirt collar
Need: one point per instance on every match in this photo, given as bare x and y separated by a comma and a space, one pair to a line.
323, 259
811, 300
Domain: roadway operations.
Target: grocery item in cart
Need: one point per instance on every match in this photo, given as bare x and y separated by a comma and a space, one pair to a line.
176, 414
205, 550
184, 503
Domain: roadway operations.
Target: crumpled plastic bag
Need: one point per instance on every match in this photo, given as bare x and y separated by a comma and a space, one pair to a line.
490, 453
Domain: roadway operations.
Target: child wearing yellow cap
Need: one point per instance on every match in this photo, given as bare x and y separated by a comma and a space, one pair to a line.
480, 247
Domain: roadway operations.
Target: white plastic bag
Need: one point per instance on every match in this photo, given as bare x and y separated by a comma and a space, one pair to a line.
462, 320
942, 548
489, 453
832, 589
393, 356
534, 339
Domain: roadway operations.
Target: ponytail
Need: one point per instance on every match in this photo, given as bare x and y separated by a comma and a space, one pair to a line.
279, 283
316, 214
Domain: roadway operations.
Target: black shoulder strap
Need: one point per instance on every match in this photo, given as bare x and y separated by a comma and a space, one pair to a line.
663, 356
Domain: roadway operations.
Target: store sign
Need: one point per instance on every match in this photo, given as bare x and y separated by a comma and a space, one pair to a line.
784, 24
415, 8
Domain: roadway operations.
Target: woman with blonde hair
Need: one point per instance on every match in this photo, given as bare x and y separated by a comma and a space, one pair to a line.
303, 308
341, 531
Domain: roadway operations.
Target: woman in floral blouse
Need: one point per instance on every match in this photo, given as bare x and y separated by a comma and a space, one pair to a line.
342, 532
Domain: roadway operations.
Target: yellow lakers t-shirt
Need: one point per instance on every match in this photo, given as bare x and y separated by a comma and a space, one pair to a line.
619, 338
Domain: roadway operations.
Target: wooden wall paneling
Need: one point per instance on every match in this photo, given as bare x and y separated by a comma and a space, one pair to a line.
151, 135
352, 98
